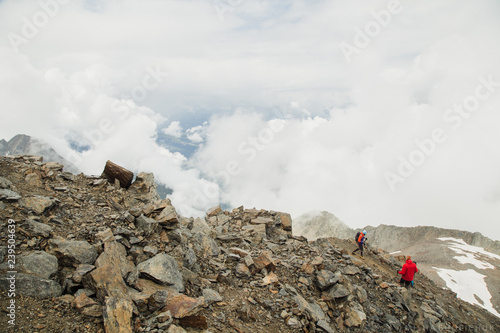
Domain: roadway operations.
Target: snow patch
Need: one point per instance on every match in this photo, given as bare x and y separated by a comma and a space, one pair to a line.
469, 286
395, 252
470, 254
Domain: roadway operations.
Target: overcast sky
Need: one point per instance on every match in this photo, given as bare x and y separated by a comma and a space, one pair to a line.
376, 111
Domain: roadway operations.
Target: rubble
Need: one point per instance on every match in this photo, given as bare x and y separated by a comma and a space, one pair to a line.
123, 260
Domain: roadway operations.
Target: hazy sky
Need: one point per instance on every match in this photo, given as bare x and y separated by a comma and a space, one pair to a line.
376, 111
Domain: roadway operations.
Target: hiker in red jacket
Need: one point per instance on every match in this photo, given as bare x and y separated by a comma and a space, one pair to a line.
408, 272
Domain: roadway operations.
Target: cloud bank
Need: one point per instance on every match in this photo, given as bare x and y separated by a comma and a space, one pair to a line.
377, 111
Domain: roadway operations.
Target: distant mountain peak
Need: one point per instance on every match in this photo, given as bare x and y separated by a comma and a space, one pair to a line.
22, 144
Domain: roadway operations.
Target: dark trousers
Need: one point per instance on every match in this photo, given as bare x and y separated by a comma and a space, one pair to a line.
405, 283
360, 248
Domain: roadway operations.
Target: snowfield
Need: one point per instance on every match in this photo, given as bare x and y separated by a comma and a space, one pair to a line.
469, 284
470, 254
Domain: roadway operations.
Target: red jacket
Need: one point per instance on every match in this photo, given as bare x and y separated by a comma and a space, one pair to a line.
409, 270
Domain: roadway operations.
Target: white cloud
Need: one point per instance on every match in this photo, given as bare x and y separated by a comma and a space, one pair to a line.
196, 134
346, 123
174, 129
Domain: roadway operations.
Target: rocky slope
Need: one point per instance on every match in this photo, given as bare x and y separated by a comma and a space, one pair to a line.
456, 252
91, 256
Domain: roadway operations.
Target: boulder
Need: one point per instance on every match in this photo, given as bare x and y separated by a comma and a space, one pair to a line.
148, 225
265, 260
168, 218
87, 306
32, 285
115, 254
39, 229
114, 172
80, 272
211, 296
5, 183
72, 253
117, 315
37, 204
39, 263
325, 279
351, 270
286, 221
355, 315
337, 291
206, 244
271, 278
52, 166
6, 194
313, 309
106, 281
163, 269
142, 191
214, 211
176, 329
33, 180
199, 225
262, 220
181, 306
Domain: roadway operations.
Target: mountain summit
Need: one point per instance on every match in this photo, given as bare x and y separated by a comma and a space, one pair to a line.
22, 144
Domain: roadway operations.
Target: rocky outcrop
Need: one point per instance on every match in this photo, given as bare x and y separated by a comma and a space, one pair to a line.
128, 262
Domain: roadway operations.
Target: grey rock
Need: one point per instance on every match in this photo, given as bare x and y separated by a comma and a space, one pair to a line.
189, 258
152, 250
337, 291
85, 291
37, 204
142, 191
393, 321
206, 244
3, 253
162, 268
80, 271
32, 285
148, 225
313, 309
72, 253
211, 296
39, 263
323, 324
430, 326
199, 225
5, 183
157, 300
326, 279
355, 315
123, 231
134, 240
6, 194
351, 270
39, 229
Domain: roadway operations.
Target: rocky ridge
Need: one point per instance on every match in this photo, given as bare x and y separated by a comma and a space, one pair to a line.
426, 246
92, 256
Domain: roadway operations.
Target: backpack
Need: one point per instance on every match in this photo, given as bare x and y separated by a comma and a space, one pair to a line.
357, 236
